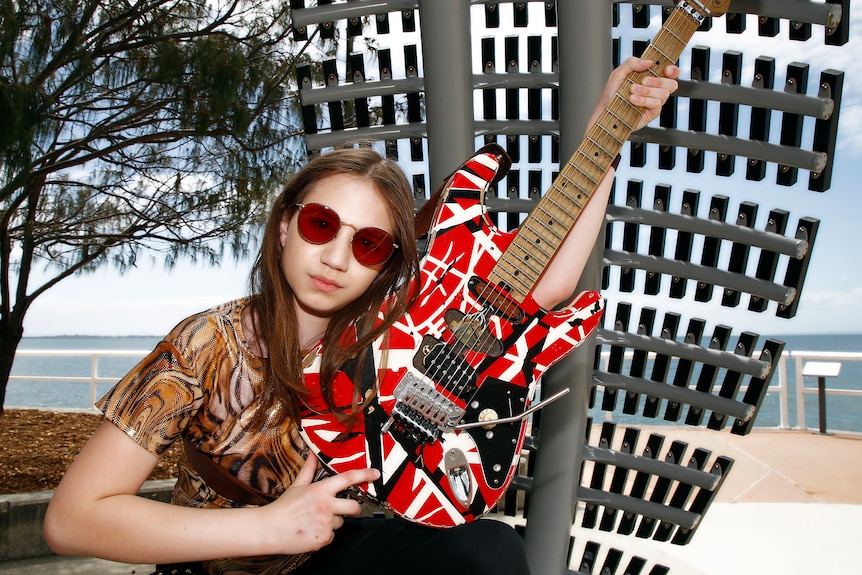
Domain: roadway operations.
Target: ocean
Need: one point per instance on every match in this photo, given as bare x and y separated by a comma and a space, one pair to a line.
843, 413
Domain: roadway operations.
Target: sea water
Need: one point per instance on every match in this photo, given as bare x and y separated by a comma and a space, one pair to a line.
843, 413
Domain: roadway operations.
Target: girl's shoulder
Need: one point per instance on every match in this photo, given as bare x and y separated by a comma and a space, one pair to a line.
220, 324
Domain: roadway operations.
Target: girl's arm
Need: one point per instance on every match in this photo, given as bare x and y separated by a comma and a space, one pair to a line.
96, 512
560, 279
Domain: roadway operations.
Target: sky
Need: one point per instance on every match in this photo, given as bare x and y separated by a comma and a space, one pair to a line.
150, 300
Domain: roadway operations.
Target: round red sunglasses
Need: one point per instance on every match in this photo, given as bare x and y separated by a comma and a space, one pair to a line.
319, 224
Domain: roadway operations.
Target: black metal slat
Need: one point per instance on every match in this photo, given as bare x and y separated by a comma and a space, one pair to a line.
336, 109
797, 269
408, 21
619, 478
791, 124
728, 112
639, 359
733, 379
617, 355
326, 29
826, 131
513, 185
382, 23
689, 207
634, 198
680, 495
609, 238
685, 367
661, 200
298, 34
356, 74
534, 98
768, 262
309, 114
761, 118
734, 22
384, 66
661, 364
597, 479
703, 498
758, 386
711, 246
637, 150
739, 251
641, 482
697, 108
708, 373
414, 100
661, 489
768, 27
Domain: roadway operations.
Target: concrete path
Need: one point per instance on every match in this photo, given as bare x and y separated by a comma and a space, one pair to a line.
791, 505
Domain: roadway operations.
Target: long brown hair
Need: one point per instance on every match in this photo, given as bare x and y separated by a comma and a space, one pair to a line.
275, 321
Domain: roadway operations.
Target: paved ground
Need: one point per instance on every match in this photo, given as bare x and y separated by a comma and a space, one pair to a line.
792, 505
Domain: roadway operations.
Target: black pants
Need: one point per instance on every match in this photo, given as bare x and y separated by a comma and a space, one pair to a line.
394, 547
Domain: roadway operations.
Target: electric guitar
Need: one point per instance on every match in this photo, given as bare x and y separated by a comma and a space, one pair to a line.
458, 373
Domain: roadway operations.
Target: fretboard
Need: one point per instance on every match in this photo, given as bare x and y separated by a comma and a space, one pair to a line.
542, 232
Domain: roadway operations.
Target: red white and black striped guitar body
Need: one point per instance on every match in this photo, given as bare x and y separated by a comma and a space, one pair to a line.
461, 368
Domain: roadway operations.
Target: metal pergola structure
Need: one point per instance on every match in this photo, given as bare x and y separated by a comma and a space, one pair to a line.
441, 106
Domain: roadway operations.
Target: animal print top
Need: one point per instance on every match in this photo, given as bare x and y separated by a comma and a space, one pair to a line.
201, 382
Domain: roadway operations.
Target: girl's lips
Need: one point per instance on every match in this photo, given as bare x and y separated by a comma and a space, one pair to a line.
324, 284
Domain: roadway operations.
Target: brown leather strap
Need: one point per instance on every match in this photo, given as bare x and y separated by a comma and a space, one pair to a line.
426, 213
220, 481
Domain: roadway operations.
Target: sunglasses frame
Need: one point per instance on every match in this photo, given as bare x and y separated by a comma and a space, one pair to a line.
301, 206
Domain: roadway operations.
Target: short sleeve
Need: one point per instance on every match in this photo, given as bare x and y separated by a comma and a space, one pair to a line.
154, 402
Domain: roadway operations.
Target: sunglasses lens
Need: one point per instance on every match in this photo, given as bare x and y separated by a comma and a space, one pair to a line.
372, 246
318, 224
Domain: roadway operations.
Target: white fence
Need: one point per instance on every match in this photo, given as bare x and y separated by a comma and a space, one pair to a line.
801, 357
781, 388
94, 379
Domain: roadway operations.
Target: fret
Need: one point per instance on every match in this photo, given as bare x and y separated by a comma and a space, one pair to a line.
601, 148
593, 163
535, 243
560, 216
517, 276
617, 142
572, 204
550, 230
527, 259
620, 120
679, 39
665, 58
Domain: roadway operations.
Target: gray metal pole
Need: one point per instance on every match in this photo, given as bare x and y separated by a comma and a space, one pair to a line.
446, 53
584, 30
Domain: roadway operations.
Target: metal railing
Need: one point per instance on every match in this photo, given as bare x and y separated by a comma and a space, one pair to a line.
801, 390
781, 388
94, 379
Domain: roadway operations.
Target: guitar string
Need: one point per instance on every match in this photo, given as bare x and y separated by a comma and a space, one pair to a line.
595, 153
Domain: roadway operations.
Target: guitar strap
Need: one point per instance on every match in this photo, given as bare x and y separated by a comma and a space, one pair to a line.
220, 481
425, 215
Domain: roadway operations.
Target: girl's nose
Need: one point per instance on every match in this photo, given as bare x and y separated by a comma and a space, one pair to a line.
337, 253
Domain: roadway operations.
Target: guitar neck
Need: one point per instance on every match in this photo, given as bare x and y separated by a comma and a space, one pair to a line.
542, 232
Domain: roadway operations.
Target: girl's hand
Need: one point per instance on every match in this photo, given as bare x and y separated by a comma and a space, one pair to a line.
306, 516
650, 95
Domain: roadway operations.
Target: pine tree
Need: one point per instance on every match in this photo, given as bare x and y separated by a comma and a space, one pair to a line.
134, 126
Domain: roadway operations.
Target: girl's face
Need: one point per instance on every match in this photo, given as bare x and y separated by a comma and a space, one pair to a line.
326, 277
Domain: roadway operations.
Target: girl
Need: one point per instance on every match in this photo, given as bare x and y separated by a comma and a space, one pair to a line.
229, 383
